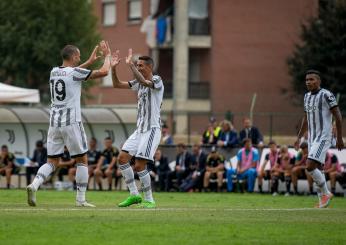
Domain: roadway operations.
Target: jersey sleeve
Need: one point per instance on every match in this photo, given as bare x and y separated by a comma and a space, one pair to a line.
255, 156
134, 85
239, 155
157, 82
81, 74
330, 99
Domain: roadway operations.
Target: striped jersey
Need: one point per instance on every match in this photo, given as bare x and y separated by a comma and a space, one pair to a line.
65, 89
149, 104
317, 107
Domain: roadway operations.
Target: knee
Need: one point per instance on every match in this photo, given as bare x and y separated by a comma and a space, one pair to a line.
124, 158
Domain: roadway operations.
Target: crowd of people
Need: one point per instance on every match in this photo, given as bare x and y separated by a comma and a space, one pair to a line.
203, 169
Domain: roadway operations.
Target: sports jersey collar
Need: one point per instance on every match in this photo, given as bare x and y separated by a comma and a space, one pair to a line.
316, 91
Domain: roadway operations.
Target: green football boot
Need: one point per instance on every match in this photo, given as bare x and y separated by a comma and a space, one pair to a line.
148, 204
133, 199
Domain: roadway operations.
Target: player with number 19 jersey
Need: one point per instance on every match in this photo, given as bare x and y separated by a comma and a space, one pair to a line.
65, 114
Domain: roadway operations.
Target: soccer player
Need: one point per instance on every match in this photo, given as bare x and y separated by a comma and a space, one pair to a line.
143, 143
319, 106
65, 126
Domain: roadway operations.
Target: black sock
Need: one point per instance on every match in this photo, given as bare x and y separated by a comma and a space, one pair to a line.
288, 183
311, 189
260, 188
295, 187
275, 184
333, 190
8, 186
100, 187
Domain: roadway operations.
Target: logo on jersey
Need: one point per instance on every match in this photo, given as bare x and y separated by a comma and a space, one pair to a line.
310, 108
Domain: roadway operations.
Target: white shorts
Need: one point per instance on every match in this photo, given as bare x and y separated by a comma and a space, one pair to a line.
143, 145
73, 136
318, 150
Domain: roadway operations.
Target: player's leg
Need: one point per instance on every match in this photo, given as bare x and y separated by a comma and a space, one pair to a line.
294, 175
55, 149
251, 174
288, 182
260, 176
8, 172
231, 176
71, 176
332, 177
149, 141
76, 141
275, 182
219, 175
109, 176
206, 180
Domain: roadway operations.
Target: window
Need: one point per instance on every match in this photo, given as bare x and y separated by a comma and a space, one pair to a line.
134, 10
109, 13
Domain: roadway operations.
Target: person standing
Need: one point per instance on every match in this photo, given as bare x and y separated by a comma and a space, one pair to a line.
65, 127
142, 144
320, 107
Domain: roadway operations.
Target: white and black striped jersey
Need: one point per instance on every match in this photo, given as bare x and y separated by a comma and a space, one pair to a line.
65, 88
149, 104
317, 107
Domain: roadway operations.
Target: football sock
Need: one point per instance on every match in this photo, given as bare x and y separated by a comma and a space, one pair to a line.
295, 187
275, 184
288, 183
144, 177
260, 188
81, 181
320, 180
311, 189
42, 174
318, 191
127, 173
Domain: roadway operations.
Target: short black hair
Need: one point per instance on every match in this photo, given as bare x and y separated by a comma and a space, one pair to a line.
148, 60
246, 140
314, 72
304, 145
108, 138
93, 139
4, 147
272, 142
39, 143
68, 51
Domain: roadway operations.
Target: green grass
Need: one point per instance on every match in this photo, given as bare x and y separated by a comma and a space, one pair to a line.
181, 218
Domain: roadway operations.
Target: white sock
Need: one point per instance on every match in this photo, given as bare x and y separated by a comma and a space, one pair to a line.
42, 174
127, 173
320, 180
81, 181
145, 179
318, 191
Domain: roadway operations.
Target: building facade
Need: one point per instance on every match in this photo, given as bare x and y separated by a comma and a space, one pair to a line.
212, 55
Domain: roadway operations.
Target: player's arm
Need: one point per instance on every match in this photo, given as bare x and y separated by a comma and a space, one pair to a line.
103, 71
111, 165
139, 77
114, 63
302, 130
338, 122
264, 165
100, 162
93, 57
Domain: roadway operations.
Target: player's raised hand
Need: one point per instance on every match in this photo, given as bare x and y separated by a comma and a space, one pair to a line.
129, 57
104, 48
94, 55
115, 58
340, 144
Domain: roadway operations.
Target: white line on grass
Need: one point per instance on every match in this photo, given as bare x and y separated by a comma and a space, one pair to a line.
161, 209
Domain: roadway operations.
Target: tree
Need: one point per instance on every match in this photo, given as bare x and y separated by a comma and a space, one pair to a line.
324, 49
33, 33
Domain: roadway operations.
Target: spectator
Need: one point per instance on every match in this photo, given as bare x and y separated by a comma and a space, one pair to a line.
212, 133
7, 166
282, 170
271, 158
93, 157
166, 138
106, 163
215, 168
163, 170
65, 164
38, 159
251, 132
332, 169
195, 179
248, 158
228, 136
182, 167
298, 171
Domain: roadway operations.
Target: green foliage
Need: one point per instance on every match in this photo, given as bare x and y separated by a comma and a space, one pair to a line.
33, 33
323, 48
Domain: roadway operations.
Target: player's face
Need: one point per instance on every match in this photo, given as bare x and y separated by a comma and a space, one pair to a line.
143, 68
248, 145
108, 144
158, 155
92, 144
247, 123
312, 82
272, 147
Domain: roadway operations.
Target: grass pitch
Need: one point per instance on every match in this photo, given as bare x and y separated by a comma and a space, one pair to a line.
181, 218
